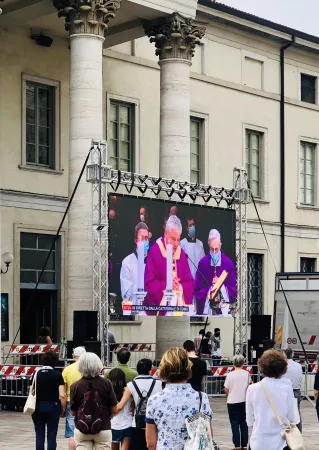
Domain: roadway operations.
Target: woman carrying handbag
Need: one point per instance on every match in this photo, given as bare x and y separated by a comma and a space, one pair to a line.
49, 401
171, 412
274, 393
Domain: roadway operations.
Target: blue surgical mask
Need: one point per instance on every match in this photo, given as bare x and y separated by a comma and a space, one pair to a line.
215, 257
192, 231
146, 247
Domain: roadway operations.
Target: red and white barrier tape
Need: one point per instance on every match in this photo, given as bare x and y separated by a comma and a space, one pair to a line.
18, 371
134, 347
8, 370
32, 349
223, 371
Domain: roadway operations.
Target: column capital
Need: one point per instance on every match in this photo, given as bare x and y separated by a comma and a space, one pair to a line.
87, 16
175, 36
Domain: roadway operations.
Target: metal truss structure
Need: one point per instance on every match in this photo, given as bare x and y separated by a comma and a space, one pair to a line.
102, 176
100, 244
241, 321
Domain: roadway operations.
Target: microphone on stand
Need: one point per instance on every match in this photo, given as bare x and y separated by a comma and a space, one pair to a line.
197, 269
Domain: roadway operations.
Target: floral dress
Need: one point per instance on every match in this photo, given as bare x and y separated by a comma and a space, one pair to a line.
169, 409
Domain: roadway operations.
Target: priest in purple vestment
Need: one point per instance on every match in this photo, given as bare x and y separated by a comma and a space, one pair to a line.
155, 269
210, 268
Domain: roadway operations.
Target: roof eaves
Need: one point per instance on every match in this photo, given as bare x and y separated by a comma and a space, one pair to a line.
259, 21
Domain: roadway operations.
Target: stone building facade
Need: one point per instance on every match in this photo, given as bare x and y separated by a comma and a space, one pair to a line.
211, 85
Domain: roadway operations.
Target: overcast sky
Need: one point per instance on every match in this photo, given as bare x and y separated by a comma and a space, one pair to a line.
302, 15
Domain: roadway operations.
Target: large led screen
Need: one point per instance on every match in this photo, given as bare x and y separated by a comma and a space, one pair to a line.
171, 259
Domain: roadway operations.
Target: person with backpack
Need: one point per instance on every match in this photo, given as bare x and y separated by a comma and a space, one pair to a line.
121, 423
140, 390
93, 402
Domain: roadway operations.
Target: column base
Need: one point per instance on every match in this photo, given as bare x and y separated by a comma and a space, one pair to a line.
171, 332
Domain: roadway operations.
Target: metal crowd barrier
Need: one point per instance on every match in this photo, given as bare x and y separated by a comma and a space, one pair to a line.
215, 381
15, 385
308, 379
31, 354
25, 359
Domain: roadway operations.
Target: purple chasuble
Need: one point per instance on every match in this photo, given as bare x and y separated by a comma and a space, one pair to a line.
201, 286
155, 278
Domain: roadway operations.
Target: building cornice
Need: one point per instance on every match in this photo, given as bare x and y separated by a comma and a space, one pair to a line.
29, 200
209, 10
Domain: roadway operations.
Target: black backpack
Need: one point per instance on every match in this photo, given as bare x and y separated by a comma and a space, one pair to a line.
140, 414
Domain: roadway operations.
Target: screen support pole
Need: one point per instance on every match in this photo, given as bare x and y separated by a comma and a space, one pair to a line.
100, 247
241, 319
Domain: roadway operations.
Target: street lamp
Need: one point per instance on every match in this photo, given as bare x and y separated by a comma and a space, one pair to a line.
7, 259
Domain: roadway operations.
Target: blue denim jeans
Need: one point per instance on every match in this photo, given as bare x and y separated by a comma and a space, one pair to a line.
47, 414
69, 422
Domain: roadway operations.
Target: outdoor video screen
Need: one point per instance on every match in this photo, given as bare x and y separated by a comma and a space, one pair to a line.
171, 259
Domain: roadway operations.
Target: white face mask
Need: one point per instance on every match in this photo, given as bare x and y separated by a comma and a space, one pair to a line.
142, 218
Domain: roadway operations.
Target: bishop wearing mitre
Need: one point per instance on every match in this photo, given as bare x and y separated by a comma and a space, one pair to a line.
155, 270
216, 273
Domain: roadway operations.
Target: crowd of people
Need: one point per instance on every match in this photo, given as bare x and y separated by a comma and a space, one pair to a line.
131, 409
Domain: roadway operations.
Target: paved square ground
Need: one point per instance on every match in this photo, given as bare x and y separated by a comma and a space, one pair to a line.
16, 429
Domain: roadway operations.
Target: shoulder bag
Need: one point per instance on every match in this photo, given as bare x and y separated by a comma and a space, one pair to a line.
30, 404
290, 431
198, 429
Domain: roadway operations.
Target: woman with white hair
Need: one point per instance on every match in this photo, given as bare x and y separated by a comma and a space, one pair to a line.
236, 385
92, 403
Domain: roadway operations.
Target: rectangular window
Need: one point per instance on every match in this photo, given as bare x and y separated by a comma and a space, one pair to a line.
308, 265
253, 160
307, 173
121, 136
34, 249
40, 124
255, 284
196, 132
308, 88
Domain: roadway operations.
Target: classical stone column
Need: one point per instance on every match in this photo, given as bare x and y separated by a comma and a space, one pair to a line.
175, 39
86, 21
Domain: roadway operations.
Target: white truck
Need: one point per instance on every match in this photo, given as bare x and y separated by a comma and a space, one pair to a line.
302, 294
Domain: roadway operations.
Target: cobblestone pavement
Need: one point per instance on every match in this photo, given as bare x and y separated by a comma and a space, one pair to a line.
16, 429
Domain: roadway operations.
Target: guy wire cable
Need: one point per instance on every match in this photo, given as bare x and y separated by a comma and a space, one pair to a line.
283, 291
49, 254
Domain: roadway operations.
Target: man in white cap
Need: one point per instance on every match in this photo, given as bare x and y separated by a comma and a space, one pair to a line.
213, 268
70, 375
